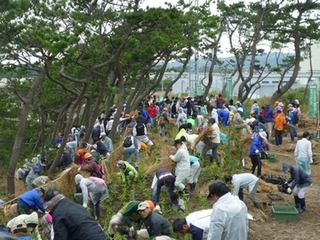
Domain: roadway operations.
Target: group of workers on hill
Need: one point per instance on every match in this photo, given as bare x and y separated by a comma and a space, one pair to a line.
66, 219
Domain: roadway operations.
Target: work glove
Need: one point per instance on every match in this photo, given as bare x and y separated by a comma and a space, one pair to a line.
131, 232
108, 154
257, 151
84, 205
79, 169
157, 208
40, 211
171, 157
289, 190
266, 154
311, 160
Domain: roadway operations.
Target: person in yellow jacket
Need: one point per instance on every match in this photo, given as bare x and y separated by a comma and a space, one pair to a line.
279, 123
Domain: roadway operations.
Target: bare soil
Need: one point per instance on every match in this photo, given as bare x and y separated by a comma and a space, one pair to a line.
306, 225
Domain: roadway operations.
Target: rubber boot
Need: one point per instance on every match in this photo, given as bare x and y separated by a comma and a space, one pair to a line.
302, 205
297, 202
192, 187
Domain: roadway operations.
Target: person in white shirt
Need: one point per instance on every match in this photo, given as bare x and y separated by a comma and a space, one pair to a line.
196, 223
214, 143
109, 124
303, 153
182, 170
229, 215
214, 114
244, 180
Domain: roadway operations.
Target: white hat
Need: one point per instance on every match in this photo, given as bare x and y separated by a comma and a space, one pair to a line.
280, 104
240, 109
252, 120
143, 206
297, 101
103, 134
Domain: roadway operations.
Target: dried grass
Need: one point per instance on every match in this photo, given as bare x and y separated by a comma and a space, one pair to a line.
204, 136
65, 183
265, 187
163, 162
257, 213
245, 142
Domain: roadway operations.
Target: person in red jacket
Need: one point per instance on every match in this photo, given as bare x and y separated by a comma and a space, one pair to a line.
152, 111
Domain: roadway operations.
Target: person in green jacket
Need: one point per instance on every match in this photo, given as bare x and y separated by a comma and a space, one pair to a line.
127, 217
127, 171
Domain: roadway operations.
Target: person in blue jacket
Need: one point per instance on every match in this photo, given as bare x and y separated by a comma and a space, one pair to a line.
31, 200
146, 116
254, 153
300, 184
223, 116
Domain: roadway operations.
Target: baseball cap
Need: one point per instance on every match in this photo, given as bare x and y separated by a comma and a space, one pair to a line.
143, 206
177, 141
216, 188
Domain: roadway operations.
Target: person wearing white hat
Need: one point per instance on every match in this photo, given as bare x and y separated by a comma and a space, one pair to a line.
157, 227
238, 122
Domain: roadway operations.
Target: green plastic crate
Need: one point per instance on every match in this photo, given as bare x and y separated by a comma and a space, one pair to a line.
285, 212
271, 157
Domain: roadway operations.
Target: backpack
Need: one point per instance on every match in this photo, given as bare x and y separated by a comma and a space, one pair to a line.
127, 142
295, 118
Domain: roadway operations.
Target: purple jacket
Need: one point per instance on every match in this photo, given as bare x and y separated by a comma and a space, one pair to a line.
268, 114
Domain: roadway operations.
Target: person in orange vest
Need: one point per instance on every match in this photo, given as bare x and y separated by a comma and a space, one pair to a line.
279, 123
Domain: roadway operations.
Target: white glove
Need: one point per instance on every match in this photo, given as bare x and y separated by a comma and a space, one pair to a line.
157, 208
171, 157
84, 205
257, 151
131, 232
311, 160
286, 183
40, 211
79, 169
289, 190
108, 154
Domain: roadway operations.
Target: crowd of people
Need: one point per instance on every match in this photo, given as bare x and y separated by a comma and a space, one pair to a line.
227, 219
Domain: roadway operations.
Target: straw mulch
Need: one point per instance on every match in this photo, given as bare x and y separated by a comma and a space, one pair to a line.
245, 142
115, 156
204, 136
265, 187
162, 162
65, 183
257, 213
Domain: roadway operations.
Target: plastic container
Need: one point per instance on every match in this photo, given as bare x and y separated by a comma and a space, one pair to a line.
285, 212
271, 157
